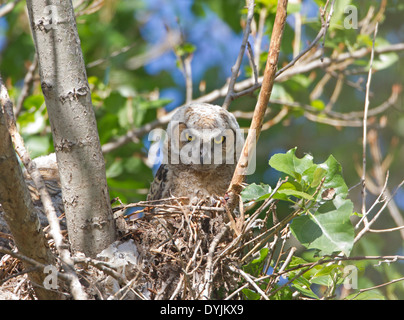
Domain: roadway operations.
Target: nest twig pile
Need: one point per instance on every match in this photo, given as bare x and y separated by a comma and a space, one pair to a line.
193, 252
176, 251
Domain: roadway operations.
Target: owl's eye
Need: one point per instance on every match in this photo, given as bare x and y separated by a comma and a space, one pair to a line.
188, 137
219, 139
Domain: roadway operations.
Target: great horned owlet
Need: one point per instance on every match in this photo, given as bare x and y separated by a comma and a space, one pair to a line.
200, 153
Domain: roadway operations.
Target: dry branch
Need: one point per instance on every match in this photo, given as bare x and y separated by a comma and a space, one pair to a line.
261, 107
236, 68
20, 214
46, 199
365, 119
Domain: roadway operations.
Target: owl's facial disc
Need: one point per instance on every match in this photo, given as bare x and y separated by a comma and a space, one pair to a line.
206, 149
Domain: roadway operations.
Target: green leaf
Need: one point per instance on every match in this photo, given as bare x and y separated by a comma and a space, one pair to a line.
291, 165
262, 256
295, 193
285, 293
34, 101
186, 48
251, 295
385, 60
279, 93
328, 230
37, 145
255, 192
318, 104
338, 14
256, 266
317, 176
334, 179
294, 7
303, 286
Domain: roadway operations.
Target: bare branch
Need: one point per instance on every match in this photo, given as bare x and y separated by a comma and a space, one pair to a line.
236, 68
262, 104
46, 199
7, 8
247, 277
28, 80
247, 86
377, 286
365, 119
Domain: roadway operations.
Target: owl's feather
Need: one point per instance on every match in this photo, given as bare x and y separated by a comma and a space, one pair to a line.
158, 187
196, 180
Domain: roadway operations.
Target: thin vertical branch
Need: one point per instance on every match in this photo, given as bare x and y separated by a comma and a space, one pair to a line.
261, 106
28, 81
298, 33
365, 118
327, 23
236, 68
259, 35
252, 63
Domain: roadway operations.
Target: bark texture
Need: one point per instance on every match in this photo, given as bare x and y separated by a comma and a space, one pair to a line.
20, 214
75, 135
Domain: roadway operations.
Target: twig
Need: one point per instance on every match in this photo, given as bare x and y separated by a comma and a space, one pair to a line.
187, 71
320, 35
259, 111
376, 287
209, 264
34, 263
367, 226
327, 24
269, 233
236, 68
294, 278
172, 39
378, 200
115, 54
28, 80
298, 33
365, 118
247, 277
8, 7
247, 86
282, 268
379, 172
386, 230
259, 35
102, 266
252, 62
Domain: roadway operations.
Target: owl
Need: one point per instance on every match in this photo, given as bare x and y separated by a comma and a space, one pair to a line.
200, 153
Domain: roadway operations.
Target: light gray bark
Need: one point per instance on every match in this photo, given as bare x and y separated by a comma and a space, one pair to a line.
78, 151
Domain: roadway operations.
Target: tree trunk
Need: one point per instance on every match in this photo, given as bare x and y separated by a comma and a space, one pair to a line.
20, 214
68, 100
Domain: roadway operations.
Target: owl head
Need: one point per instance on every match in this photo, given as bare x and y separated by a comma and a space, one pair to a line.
202, 137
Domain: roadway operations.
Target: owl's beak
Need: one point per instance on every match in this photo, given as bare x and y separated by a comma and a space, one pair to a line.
204, 155
201, 155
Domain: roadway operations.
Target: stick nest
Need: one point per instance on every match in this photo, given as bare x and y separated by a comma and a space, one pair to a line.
171, 251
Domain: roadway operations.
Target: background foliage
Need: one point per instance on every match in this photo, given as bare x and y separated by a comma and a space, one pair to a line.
134, 81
